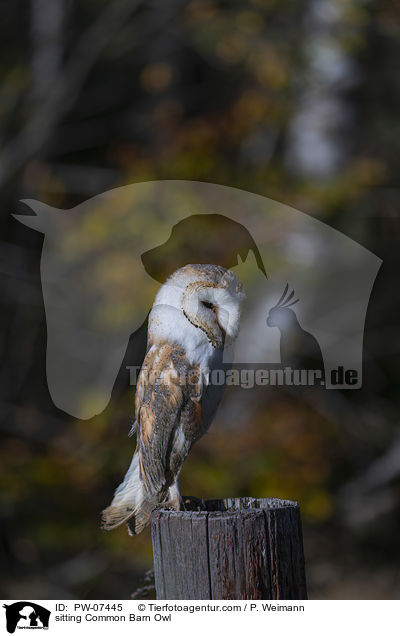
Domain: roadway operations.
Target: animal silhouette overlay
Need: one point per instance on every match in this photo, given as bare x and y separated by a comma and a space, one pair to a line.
27, 615
204, 239
103, 261
299, 349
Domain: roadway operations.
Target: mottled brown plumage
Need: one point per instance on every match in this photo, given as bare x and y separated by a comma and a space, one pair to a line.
195, 312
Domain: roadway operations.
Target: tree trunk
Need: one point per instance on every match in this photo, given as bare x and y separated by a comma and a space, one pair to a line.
229, 549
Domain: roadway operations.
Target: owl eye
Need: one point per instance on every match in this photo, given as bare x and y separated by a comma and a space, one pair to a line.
208, 305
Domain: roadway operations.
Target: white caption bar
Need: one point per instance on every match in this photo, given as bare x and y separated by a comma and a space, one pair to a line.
177, 617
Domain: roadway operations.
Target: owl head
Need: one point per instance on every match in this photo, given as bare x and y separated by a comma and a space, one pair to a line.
208, 299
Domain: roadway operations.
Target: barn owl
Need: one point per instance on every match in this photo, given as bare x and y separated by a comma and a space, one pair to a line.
195, 316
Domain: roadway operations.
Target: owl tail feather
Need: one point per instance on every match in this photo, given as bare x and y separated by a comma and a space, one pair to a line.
130, 500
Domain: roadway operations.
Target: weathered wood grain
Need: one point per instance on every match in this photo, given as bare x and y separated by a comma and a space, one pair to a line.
239, 548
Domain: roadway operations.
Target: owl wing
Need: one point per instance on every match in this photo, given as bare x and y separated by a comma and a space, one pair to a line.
168, 414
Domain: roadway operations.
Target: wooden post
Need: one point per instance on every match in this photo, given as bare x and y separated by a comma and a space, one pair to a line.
229, 549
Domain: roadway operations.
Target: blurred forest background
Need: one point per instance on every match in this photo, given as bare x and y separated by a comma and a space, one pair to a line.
298, 101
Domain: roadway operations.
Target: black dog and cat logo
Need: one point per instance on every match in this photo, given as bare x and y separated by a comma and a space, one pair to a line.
26, 615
